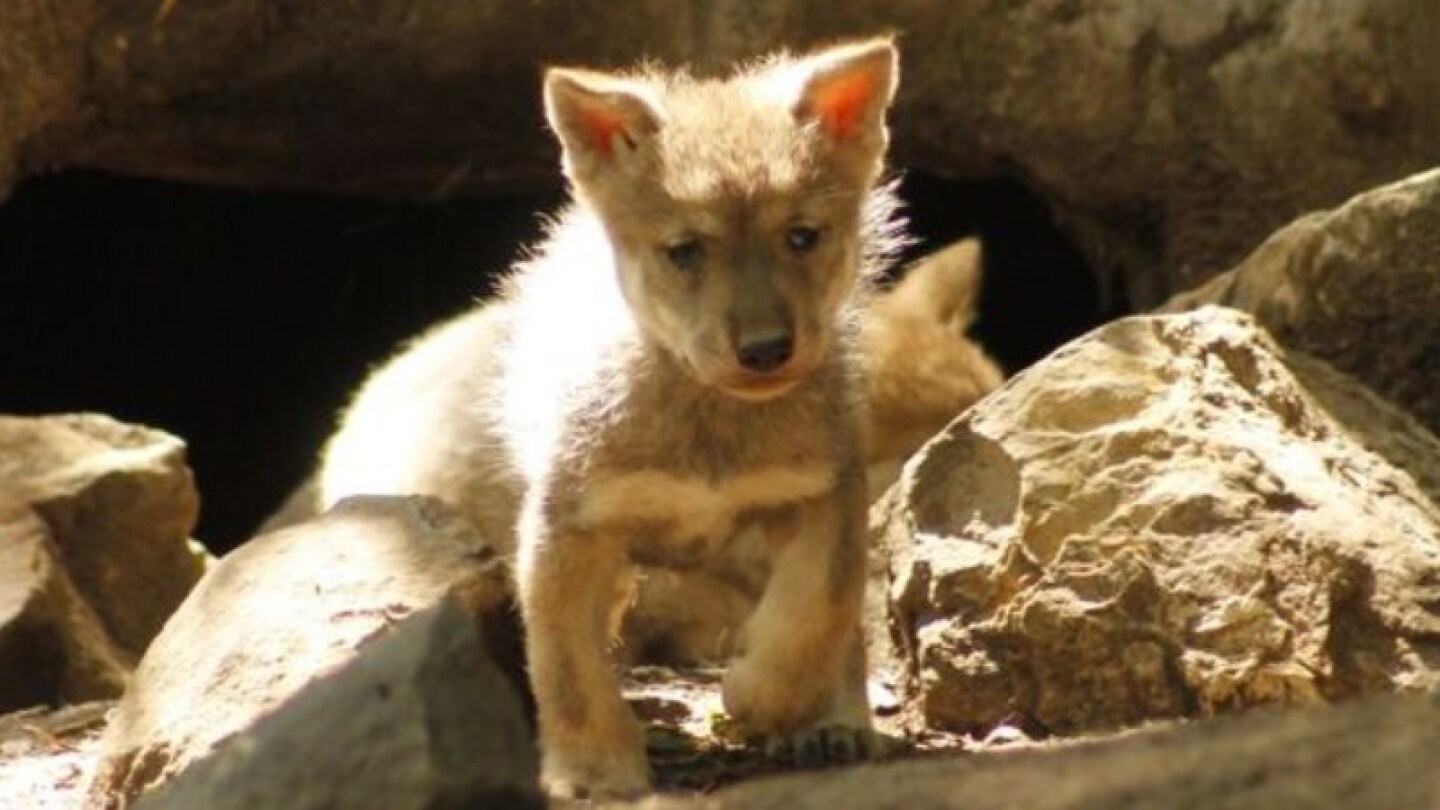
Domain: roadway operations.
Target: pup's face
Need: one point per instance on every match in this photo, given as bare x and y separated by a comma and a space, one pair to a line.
745, 291
733, 206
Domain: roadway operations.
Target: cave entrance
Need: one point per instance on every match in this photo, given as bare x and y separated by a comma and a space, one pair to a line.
240, 320
1038, 292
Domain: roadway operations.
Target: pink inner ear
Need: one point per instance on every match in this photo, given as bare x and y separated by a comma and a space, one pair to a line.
840, 102
602, 126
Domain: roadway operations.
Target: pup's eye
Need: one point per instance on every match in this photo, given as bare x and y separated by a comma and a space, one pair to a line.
802, 238
685, 254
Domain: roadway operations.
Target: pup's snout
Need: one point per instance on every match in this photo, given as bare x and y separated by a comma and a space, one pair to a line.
765, 353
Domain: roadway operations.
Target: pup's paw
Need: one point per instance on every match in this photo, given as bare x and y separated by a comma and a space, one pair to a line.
821, 746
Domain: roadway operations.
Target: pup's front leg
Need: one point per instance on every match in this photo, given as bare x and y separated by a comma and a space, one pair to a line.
569, 584
798, 666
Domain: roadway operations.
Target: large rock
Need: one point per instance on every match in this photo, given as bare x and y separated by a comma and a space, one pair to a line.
95, 519
1169, 135
1168, 517
53, 648
1358, 286
1380, 753
281, 612
420, 719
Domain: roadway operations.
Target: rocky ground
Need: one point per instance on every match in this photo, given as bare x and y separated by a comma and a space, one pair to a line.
47, 758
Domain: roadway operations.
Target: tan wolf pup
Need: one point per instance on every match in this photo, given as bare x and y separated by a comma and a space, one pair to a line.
673, 368
718, 389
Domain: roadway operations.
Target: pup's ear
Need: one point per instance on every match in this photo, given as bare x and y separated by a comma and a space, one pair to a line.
603, 121
943, 287
845, 91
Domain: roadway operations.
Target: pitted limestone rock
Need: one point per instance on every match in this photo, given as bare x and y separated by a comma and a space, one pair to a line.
1168, 517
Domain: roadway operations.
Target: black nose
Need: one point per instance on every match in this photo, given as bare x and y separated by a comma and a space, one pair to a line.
767, 354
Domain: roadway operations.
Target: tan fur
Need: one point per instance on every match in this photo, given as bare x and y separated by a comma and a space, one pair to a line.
692, 505
416, 425
420, 425
601, 414
728, 170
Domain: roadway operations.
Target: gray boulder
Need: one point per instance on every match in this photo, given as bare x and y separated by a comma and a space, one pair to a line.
285, 611
420, 719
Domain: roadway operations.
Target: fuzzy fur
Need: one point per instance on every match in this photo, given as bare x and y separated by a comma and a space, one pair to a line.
601, 413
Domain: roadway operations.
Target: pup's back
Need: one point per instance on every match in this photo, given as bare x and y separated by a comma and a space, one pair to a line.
420, 424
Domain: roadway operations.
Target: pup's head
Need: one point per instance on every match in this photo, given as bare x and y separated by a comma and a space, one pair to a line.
736, 206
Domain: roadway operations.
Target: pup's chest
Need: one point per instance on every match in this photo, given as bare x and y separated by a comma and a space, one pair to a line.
674, 520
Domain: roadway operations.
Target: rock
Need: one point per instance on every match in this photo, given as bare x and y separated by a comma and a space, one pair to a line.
1169, 517
53, 648
282, 612
120, 504
95, 519
1355, 286
42, 75
420, 718
1156, 130
302, 504
1366, 754
1168, 135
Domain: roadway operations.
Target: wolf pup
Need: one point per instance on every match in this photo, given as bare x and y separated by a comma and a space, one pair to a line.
674, 367
696, 377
